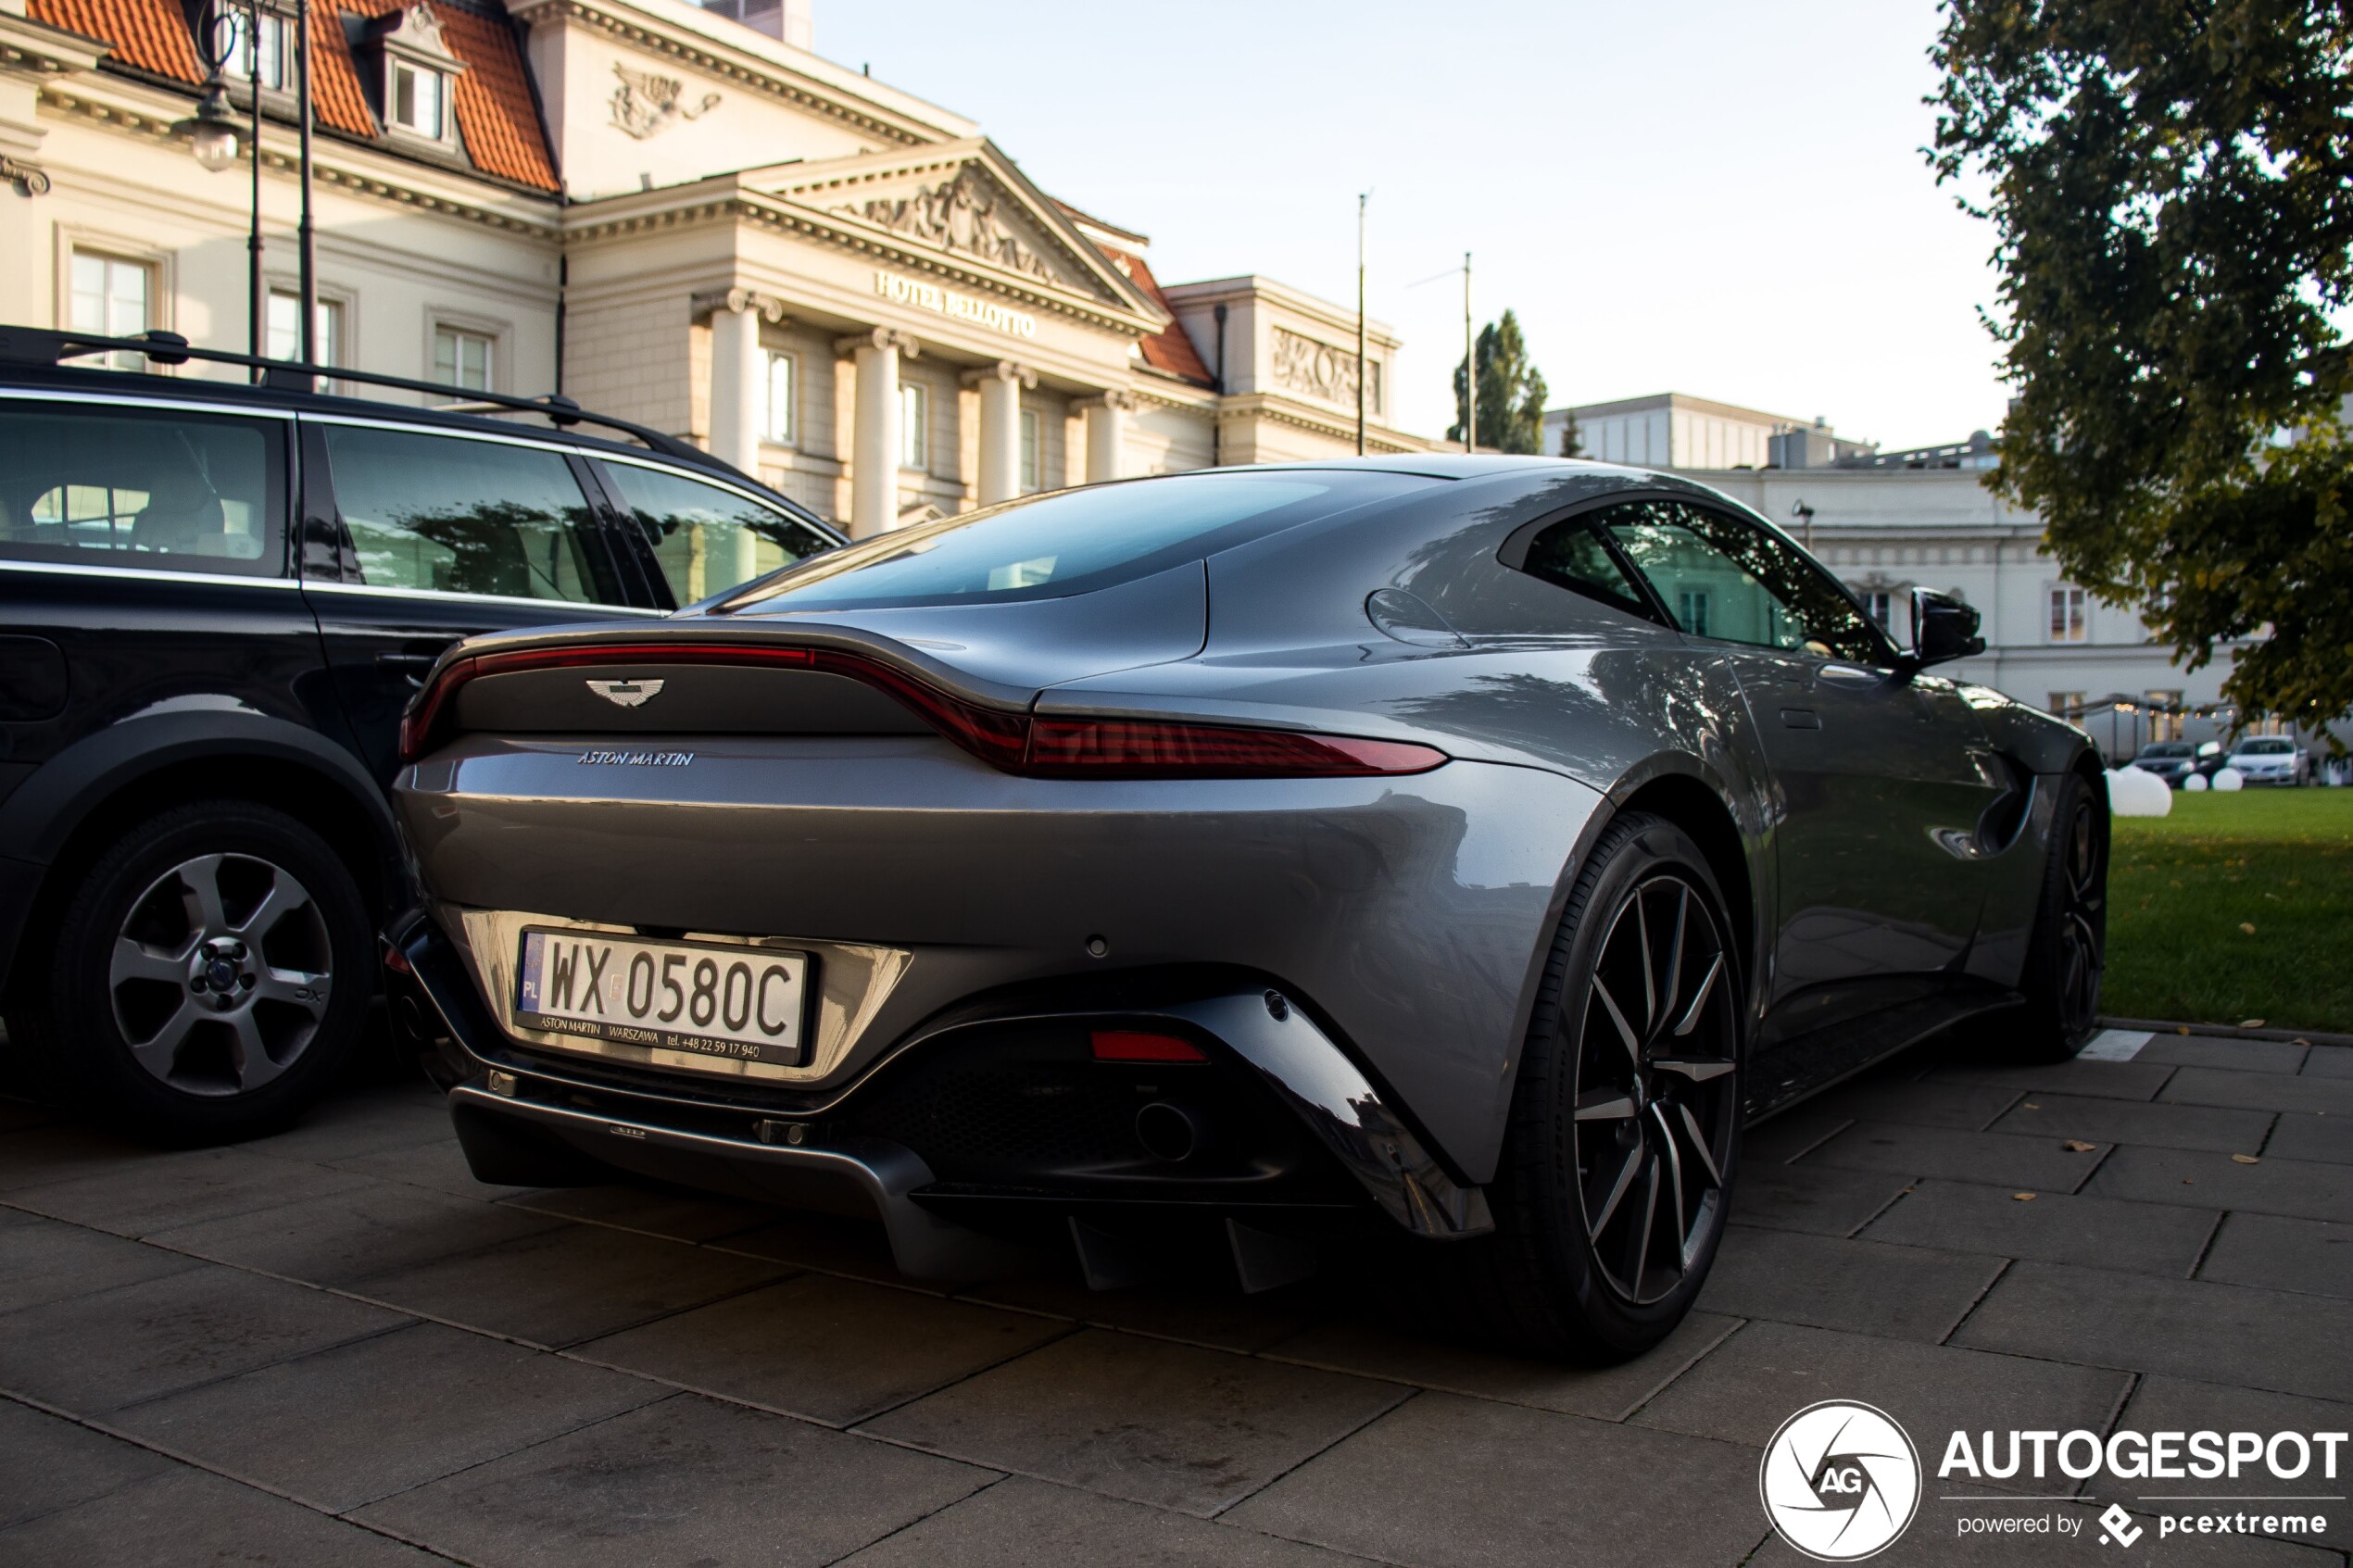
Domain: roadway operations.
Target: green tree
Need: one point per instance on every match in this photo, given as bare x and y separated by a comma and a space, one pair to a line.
1511, 391
1572, 438
2171, 185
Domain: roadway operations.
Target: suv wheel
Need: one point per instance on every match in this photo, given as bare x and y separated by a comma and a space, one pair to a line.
208, 977
1610, 1198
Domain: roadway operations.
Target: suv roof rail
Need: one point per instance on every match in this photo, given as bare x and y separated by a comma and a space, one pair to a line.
40, 345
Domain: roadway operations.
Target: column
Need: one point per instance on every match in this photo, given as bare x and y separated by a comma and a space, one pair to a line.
1106, 433
876, 446
1000, 387
738, 374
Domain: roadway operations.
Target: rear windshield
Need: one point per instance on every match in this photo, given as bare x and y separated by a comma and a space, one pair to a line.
2266, 748
2170, 748
1070, 541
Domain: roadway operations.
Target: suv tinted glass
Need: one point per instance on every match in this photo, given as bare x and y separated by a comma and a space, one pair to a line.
101, 486
457, 516
1073, 540
707, 539
1721, 577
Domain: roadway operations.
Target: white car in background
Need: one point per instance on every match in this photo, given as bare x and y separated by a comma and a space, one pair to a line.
2271, 759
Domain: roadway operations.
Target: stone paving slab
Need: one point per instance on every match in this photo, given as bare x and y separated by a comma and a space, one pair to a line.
160, 1192
1861, 1287
687, 1480
2261, 1091
2300, 1188
2325, 1138
424, 1388
2244, 1056
2330, 1061
352, 1235
41, 1261
1823, 1200
2281, 1254
2087, 1118
1933, 1102
2003, 1158
1219, 1426
2057, 1227
1448, 1481
2113, 1080
52, 1463
1022, 1523
190, 1517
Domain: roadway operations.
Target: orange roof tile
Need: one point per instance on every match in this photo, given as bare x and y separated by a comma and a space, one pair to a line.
1169, 349
496, 113
150, 35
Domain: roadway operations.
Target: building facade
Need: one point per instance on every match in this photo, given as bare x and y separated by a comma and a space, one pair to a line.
1670, 430
868, 304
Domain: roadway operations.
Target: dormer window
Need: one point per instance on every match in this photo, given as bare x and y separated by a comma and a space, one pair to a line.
419, 100
413, 74
262, 55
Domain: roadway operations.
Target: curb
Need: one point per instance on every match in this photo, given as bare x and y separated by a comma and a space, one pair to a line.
2225, 1031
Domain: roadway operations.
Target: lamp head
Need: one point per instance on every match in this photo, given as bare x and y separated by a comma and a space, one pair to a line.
212, 132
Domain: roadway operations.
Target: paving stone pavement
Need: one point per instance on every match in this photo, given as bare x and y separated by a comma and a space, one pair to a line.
333, 1347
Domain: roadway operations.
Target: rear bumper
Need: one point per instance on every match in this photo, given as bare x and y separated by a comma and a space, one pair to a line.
688, 1133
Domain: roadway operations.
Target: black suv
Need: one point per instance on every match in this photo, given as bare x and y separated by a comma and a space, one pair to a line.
215, 601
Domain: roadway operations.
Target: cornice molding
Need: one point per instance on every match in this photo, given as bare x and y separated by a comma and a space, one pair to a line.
533, 13
1283, 411
157, 128
26, 44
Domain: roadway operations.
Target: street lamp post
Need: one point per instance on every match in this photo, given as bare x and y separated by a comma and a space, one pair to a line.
305, 239
1362, 370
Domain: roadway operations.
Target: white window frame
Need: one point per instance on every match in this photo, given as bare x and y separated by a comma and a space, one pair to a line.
781, 426
393, 68
272, 70
154, 305
464, 327
1033, 451
914, 426
2067, 614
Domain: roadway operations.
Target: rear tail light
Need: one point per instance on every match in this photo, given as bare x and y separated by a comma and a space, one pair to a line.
1017, 743
1123, 1045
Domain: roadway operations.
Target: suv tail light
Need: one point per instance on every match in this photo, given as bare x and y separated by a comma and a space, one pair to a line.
1017, 743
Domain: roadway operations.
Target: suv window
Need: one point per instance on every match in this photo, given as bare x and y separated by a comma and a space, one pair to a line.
458, 516
708, 539
1720, 577
101, 486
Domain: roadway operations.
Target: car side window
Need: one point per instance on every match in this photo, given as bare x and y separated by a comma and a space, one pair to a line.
1720, 577
458, 516
707, 539
93, 485
1570, 555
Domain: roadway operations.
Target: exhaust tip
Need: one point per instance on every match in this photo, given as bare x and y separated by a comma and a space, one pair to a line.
1169, 1132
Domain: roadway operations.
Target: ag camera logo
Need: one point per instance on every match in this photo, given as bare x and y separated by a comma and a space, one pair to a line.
1841, 1481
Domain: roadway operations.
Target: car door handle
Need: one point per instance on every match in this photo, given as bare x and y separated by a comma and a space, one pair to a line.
1801, 719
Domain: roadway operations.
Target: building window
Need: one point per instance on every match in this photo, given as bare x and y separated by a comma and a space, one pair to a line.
2065, 705
2164, 725
285, 320
463, 359
1882, 608
784, 379
260, 56
419, 99
1029, 449
1691, 612
2071, 620
914, 410
111, 298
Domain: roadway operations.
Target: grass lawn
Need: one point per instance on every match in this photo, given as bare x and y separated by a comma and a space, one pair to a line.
2235, 908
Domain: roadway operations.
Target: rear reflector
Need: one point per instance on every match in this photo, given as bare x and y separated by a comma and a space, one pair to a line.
1121, 1044
1039, 748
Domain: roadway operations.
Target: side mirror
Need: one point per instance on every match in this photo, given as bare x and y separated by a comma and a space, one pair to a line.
1944, 629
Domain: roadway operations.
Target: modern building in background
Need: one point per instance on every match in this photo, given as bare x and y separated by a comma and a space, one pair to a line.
1670, 430
677, 214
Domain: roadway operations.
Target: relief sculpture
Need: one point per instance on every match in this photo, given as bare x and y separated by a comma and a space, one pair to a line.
645, 102
1320, 370
957, 214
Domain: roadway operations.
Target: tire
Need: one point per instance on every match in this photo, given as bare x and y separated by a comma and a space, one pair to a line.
2068, 953
1600, 1124
208, 978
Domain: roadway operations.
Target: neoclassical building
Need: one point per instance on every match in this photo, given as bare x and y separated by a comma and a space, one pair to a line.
669, 214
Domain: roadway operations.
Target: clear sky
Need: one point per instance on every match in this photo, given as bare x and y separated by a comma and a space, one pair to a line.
1716, 198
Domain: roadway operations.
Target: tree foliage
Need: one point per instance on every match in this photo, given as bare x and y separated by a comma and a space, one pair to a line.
1511, 391
2171, 182
1572, 438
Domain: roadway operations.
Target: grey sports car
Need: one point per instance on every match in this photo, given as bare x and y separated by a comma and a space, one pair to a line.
1432, 859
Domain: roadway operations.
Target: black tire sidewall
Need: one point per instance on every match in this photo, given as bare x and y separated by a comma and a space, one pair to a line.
91, 1059
2046, 1033
1632, 849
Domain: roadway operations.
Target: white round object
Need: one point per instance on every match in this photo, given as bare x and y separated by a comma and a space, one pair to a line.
2196, 782
2229, 778
2136, 792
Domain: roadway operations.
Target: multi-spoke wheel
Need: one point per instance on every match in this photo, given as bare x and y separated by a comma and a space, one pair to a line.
1619, 1162
1656, 1071
2069, 952
207, 976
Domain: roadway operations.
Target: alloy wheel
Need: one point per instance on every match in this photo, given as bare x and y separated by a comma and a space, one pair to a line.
1658, 1088
2083, 926
220, 974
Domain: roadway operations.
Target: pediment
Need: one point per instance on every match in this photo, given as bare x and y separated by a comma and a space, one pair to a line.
969, 207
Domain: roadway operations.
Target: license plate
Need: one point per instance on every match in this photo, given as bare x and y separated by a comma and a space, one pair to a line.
706, 999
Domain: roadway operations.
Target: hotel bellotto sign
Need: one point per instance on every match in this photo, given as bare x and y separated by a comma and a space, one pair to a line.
963, 308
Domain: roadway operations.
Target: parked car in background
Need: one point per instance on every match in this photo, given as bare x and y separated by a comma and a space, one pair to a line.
1443, 852
215, 601
2271, 759
2171, 761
